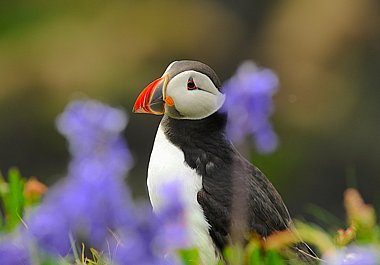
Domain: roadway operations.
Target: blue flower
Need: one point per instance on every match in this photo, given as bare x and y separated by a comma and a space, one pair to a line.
155, 238
173, 232
13, 251
249, 106
354, 255
93, 199
93, 131
93, 205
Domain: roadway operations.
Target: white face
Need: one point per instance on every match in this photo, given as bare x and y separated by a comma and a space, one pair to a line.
194, 94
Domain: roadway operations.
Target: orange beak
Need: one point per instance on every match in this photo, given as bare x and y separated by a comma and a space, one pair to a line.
151, 99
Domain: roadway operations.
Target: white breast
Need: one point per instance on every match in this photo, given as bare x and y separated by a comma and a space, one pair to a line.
167, 163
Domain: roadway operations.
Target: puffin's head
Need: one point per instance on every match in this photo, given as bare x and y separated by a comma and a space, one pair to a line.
186, 90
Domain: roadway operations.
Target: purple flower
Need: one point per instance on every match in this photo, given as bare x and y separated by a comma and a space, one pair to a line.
156, 237
249, 105
93, 131
173, 232
13, 251
354, 255
93, 205
138, 245
93, 199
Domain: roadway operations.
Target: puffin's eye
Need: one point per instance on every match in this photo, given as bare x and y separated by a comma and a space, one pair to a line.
190, 84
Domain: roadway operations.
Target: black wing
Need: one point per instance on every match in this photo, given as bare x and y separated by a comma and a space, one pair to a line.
237, 196
260, 205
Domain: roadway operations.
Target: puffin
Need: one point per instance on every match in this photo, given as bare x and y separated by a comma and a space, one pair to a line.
225, 197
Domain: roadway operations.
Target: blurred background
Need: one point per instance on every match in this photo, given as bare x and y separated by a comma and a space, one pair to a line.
326, 54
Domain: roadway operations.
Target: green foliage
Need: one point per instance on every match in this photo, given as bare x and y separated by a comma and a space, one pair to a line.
189, 256
97, 258
234, 255
12, 199
17, 195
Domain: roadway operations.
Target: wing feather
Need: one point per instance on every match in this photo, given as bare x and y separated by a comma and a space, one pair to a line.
263, 206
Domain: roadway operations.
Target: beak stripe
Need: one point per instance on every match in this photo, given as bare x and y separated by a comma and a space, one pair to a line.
142, 104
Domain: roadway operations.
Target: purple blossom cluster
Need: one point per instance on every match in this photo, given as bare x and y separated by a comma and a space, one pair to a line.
92, 205
354, 255
249, 105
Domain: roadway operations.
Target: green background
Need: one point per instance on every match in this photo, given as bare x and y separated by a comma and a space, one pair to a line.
326, 54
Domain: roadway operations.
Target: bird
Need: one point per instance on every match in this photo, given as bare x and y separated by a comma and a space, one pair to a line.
225, 196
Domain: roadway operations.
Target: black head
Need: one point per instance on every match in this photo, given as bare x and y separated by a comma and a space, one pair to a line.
178, 67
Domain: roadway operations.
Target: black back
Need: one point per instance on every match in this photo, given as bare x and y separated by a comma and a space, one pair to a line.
235, 195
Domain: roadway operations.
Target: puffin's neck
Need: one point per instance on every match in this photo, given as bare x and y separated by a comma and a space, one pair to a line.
180, 130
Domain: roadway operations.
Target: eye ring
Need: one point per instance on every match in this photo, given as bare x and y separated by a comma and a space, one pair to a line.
190, 84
